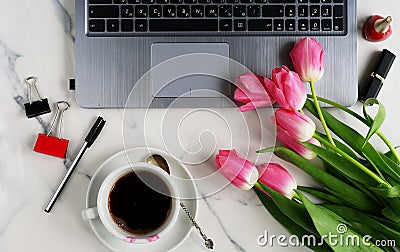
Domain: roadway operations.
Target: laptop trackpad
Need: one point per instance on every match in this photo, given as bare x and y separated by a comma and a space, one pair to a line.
190, 69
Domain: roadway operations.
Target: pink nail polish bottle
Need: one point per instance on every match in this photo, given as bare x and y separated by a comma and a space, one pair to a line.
377, 28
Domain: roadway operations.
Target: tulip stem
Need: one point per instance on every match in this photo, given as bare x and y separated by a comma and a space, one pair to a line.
389, 144
321, 116
352, 160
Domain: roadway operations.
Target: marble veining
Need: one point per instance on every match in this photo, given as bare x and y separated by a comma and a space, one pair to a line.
68, 18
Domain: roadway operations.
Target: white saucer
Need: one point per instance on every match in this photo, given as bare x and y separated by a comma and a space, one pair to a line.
184, 181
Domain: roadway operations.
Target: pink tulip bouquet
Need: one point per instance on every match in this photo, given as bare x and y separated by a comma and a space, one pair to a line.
359, 185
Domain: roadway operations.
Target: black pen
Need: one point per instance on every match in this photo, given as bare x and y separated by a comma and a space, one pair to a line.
377, 77
90, 138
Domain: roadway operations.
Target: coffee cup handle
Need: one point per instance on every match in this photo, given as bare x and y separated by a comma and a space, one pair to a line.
90, 213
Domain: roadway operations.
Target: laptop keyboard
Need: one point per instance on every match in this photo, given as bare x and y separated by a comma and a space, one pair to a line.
216, 17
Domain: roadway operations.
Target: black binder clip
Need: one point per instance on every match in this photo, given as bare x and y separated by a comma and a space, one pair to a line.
35, 108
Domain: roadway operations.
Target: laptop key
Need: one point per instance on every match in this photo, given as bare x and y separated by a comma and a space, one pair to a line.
155, 11
177, 25
253, 10
303, 10
127, 11
169, 11
326, 25
225, 11
282, 1
211, 10
225, 25
290, 24
141, 11
315, 24
338, 24
97, 25
183, 11
100, 1
326, 11
260, 25
127, 25
112, 25
272, 11
198, 11
120, 1
239, 11
134, 1
278, 25
104, 11
239, 24
315, 10
338, 11
290, 10
141, 25
303, 25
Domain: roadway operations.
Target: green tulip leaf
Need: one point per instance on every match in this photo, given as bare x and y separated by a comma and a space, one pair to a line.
391, 156
375, 123
330, 224
296, 212
392, 192
288, 223
343, 165
321, 195
390, 214
347, 193
356, 142
353, 215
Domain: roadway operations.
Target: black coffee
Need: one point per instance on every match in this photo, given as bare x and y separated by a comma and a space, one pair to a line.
136, 205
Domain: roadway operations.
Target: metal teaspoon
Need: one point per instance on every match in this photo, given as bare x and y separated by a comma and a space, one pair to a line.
160, 161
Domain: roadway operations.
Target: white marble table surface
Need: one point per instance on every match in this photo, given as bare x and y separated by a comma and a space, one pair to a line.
37, 38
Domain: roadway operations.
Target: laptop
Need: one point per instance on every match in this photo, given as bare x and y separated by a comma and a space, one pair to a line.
151, 53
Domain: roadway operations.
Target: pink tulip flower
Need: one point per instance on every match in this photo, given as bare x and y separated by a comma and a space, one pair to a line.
252, 91
239, 171
278, 178
295, 124
287, 88
308, 59
296, 146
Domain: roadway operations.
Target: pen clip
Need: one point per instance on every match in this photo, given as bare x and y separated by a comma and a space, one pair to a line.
95, 131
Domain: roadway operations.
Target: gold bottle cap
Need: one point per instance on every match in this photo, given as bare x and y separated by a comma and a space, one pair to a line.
383, 25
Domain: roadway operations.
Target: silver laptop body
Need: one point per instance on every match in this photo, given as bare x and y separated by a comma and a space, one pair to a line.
108, 67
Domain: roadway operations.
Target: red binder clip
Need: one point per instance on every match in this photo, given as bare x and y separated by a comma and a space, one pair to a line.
51, 145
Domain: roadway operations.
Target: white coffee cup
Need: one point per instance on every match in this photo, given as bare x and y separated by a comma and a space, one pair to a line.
101, 210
